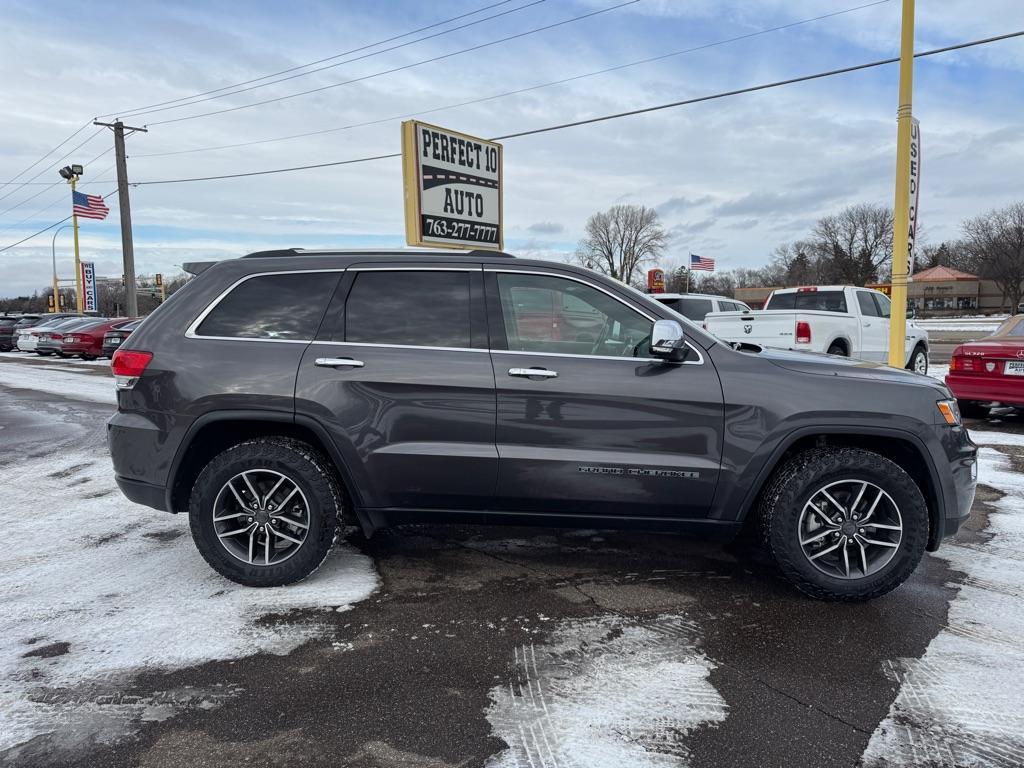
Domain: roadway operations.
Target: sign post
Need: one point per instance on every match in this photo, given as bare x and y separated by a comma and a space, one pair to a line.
901, 239
453, 188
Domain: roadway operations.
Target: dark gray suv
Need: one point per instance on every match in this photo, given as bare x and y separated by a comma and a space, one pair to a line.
281, 394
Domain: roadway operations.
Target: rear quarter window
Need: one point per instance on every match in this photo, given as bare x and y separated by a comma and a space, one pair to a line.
286, 307
691, 308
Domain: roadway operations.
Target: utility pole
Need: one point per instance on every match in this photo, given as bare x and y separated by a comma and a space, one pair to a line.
127, 249
53, 255
901, 211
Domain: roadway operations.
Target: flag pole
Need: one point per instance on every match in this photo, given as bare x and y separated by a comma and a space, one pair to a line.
79, 303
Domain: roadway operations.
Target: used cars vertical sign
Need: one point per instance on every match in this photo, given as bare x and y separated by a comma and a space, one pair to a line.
452, 188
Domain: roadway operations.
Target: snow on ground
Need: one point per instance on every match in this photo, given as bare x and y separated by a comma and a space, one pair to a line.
100, 589
983, 325
605, 691
73, 361
962, 703
59, 380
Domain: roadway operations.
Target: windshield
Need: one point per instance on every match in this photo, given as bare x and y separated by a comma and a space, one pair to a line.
1014, 326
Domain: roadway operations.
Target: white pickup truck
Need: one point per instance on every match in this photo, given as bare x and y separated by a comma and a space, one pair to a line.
837, 319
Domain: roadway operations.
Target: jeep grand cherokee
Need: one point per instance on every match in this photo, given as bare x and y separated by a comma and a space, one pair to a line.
284, 393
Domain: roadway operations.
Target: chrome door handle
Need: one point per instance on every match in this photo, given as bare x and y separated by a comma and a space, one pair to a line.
338, 362
528, 372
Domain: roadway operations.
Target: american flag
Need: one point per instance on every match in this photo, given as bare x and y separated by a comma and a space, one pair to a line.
701, 263
88, 206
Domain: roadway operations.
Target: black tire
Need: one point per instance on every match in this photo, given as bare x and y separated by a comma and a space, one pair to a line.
837, 349
793, 486
307, 469
972, 410
919, 356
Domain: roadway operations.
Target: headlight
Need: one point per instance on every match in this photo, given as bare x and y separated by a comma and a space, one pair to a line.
950, 412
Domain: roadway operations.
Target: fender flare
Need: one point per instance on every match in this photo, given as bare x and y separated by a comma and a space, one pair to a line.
936, 511
270, 417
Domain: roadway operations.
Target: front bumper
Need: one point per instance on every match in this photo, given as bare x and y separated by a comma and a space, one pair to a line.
987, 389
960, 484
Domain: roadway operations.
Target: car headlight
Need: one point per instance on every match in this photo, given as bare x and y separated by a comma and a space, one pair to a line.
950, 412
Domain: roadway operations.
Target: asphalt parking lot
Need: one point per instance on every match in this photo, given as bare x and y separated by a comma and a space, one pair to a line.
464, 646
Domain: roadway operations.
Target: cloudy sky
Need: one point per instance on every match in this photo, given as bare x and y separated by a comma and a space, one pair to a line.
732, 178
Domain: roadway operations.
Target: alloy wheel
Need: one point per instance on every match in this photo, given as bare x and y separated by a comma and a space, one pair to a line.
261, 517
850, 529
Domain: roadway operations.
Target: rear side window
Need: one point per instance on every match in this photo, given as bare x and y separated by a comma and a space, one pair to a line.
419, 309
810, 301
691, 308
283, 307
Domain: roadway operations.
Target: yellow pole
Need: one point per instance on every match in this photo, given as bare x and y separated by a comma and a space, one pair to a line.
901, 211
79, 296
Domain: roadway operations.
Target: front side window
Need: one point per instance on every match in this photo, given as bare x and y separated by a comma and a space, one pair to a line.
544, 313
883, 304
409, 308
276, 307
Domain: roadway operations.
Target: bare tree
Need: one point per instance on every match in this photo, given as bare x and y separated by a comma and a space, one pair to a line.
855, 245
996, 241
617, 242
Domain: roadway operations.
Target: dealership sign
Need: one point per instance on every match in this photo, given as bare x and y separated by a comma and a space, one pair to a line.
89, 302
915, 191
452, 188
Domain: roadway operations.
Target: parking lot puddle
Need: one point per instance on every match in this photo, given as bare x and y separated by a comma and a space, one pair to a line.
99, 590
962, 703
606, 691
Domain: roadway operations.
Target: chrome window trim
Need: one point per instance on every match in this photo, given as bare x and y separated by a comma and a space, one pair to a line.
513, 271
395, 346
190, 332
415, 269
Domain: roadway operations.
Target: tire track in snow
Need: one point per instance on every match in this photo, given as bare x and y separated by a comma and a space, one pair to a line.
606, 691
962, 703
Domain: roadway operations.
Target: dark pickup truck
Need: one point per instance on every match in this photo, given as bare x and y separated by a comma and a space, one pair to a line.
281, 394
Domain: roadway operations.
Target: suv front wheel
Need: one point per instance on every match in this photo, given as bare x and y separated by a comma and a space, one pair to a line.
266, 512
844, 523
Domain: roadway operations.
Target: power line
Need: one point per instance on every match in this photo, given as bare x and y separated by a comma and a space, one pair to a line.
46, 229
51, 185
518, 91
397, 69
560, 126
336, 64
37, 162
613, 116
61, 159
312, 63
62, 198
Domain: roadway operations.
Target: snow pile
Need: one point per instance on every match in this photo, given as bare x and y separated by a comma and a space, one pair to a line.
56, 381
99, 589
962, 703
606, 691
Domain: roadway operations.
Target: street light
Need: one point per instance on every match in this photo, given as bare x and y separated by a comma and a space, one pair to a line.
71, 174
53, 254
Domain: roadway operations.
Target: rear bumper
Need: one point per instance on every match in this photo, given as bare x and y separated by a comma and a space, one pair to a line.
987, 389
78, 348
143, 493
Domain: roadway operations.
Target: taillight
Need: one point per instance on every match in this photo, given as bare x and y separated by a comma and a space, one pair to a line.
128, 365
803, 332
962, 364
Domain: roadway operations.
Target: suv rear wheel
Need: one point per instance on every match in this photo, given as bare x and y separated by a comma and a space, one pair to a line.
844, 523
266, 512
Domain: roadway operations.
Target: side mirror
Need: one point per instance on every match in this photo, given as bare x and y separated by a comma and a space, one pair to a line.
668, 341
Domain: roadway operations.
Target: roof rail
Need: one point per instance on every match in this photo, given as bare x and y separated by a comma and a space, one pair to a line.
479, 254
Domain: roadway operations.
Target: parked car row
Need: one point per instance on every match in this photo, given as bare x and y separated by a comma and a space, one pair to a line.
65, 335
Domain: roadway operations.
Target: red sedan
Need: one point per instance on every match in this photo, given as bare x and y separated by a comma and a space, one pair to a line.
989, 371
87, 341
